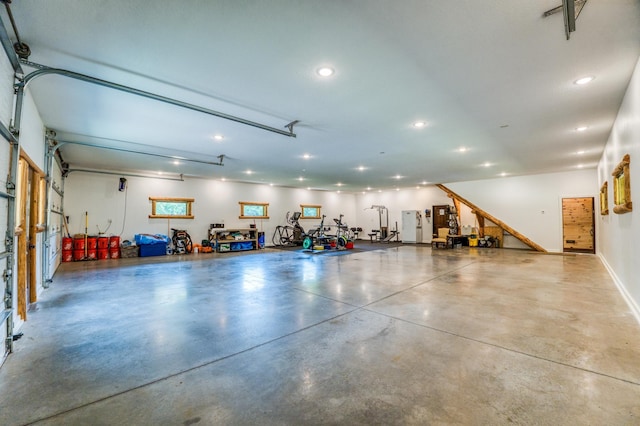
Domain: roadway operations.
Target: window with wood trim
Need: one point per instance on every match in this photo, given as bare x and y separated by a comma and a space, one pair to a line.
253, 210
171, 208
310, 211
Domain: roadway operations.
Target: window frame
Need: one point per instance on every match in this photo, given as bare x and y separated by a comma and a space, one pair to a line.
604, 199
311, 206
622, 187
188, 201
265, 206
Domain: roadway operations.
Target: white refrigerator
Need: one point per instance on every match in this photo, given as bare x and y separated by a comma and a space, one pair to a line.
411, 226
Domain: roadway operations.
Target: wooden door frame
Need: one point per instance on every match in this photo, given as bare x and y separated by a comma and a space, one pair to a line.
434, 215
27, 266
593, 221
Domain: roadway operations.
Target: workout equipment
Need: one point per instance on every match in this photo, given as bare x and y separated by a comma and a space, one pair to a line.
381, 233
181, 241
316, 237
343, 233
289, 235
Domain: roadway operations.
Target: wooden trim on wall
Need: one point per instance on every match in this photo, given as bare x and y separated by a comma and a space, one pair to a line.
498, 222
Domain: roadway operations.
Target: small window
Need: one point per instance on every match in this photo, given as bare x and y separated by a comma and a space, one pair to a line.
251, 210
170, 208
310, 211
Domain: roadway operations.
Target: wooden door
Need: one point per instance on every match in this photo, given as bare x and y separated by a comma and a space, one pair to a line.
578, 227
440, 218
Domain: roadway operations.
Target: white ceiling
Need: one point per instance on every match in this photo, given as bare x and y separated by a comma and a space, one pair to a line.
468, 68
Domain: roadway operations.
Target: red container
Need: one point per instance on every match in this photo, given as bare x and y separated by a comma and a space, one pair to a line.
349, 244
67, 255
103, 243
78, 244
78, 254
114, 253
114, 243
67, 244
103, 253
92, 254
92, 243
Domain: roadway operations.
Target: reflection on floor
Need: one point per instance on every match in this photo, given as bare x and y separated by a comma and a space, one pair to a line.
398, 335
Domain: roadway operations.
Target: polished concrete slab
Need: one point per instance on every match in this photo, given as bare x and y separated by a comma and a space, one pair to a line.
400, 335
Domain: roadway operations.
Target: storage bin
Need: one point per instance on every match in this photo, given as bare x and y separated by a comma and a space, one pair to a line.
239, 246
224, 247
159, 249
123, 252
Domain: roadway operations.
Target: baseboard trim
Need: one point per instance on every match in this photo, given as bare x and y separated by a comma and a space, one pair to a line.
635, 310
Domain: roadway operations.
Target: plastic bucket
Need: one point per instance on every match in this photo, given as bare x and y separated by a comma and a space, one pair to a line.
103, 243
78, 254
103, 254
349, 244
67, 255
92, 243
114, 253
78, 244
92, 254
67, 244
114, 243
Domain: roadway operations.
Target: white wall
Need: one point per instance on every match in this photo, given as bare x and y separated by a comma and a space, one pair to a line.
396, 202
619, 235
532, 205
215, 202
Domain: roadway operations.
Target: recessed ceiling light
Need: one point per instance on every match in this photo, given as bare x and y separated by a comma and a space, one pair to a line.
363, 192
581, 128
419, 124
580, 166
271, 184
368, 188
308, 188
339, 184
362, 168
503, 174
487, 164
306, 156
462, 149
398, 177
325, 71
249, 172
218, 137
160, 173
424, 182
379, 190
176, 162
580, 152
223, 179
584, 80
300, 178
397, 189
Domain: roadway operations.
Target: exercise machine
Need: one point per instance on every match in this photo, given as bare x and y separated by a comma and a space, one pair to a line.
292, 234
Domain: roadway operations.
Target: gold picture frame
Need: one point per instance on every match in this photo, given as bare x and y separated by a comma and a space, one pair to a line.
622, 187
604, 199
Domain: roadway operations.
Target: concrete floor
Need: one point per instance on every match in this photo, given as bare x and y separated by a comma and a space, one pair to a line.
397, 336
